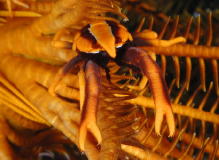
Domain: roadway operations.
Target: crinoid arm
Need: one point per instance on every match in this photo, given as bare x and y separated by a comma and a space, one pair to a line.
37, 33
149, 68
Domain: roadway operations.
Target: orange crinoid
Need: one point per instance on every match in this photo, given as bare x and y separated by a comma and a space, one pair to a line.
72, 74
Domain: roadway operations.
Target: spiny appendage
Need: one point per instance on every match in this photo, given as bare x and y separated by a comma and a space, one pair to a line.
141, 59
92, 91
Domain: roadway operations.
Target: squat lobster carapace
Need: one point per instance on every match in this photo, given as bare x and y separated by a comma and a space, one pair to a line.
91, 40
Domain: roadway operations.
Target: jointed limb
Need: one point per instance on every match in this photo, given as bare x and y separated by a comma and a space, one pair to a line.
92, 91
141, 59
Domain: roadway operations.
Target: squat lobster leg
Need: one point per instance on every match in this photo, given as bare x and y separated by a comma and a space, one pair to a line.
62, 73
92, 91
141, 59
89, 95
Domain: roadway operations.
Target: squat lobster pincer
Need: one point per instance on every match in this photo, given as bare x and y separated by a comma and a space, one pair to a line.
96, 44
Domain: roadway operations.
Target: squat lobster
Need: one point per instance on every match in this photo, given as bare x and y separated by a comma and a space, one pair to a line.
96, 44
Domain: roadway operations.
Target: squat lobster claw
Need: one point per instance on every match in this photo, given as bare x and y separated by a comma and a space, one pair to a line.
151, 70
95, 46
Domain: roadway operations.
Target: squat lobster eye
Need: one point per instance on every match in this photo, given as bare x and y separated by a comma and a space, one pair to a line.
101, 36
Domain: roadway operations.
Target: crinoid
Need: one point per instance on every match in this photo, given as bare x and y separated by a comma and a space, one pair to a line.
82, 79
196, 135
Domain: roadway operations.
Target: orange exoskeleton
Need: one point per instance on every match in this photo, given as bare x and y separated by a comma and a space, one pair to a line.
101, 36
